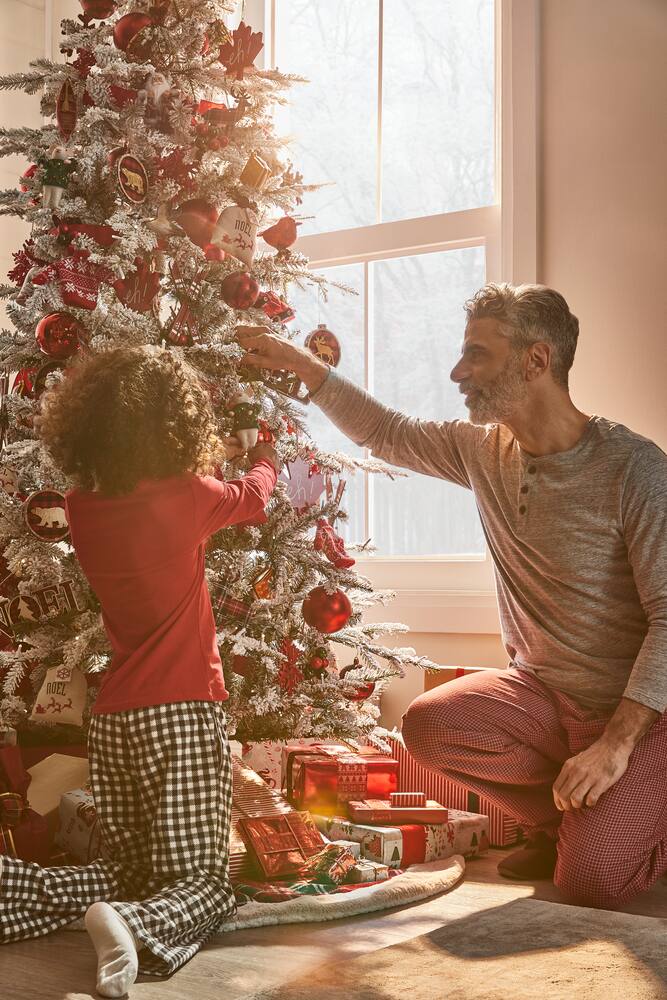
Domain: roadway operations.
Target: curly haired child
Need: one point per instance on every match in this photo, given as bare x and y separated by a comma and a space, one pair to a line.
134, 429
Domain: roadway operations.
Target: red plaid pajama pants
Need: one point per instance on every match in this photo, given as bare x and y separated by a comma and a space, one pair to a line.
506, 735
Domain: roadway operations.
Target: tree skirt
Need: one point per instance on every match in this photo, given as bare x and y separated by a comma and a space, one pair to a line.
418, 882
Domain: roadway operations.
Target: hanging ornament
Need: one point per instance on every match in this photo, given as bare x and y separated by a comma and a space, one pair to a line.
27, 175
198, 218
242, 665
62, 697
275, 307
356, 691
304, 487
326, 612
230, 612
239, 290
282, 235
45, 515
289, 675
324, 345
265, 433
66, 109
236, 233
132, 178
162, 225
241, 51
23, 382
256, 173
246, 413
66, 230
77, 278
327, 541
130, 35
39, 384
138, 289
59, 335
58, 166
213, 253
98, 9
261, 585
318, 662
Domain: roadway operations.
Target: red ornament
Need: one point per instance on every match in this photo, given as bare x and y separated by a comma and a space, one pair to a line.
240, 290
213, 252
59, 335
289, 675
242, 665
127, 29
275, 307
326, 612
282, 235
45, 515
26, 176
98, 8
324, 345
240, 53
327, 541
138, 289
198, 218
132, 178
24, 381
356, 692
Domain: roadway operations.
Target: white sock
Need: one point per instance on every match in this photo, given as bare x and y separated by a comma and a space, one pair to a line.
116, 947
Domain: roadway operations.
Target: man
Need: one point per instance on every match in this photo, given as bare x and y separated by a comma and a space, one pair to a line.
572, 737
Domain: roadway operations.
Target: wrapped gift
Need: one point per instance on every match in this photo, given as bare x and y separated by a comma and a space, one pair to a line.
324, 778
265, 758
281, 844
405, 799
31, 839
367, 871
382, 811
78, 831
251, 797
50, 779
504, 830
13, 775
350, 845
330, 866
412, 843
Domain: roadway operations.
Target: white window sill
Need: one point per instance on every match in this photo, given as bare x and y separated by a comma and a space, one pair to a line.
450, 611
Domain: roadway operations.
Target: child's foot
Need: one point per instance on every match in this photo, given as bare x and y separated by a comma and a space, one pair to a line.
117, 963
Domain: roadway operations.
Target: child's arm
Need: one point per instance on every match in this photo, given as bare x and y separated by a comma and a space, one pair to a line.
219, 504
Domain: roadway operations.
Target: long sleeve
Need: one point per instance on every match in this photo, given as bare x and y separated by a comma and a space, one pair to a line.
644, 518
220, 504
435, 448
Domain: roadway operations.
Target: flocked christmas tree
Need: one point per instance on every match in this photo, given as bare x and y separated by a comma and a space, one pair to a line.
162, 211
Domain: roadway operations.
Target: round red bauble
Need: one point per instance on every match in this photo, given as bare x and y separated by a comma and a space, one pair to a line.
128, 27
326, 612
356, 692
240, 290
59, 335
98, 8
241, 665
213, 252
198, 218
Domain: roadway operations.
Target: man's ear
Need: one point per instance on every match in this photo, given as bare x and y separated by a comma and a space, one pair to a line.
539, 360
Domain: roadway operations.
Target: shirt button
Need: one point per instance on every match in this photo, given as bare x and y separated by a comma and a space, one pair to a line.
522, 509
532, 469
524, 489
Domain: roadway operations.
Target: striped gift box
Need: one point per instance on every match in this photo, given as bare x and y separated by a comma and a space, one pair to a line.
503, 828
408, 800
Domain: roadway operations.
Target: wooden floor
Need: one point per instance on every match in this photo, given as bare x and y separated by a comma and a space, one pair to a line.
234, 966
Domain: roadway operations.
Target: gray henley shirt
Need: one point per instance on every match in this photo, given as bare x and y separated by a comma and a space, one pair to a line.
578, 540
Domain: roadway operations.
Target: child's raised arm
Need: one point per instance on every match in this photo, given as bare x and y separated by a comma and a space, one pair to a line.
220, 504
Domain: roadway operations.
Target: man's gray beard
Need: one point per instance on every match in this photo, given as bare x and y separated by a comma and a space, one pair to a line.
495, 403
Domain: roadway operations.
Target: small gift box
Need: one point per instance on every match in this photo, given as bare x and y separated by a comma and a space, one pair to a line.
51, 778
330, 866
281, 844
367, 871
406, 799
324, 778
381, 811
350, 845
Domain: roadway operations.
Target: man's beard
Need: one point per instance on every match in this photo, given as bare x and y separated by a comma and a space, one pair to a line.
495, 402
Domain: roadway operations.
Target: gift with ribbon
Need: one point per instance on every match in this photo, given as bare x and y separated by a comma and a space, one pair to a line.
280, 845
325, 777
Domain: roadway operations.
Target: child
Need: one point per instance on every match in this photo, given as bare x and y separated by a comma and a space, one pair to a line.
134, 428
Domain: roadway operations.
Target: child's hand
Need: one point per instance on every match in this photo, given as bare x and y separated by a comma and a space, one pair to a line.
264, 450
233, 448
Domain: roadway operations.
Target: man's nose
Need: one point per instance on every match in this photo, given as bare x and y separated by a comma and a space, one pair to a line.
457, 373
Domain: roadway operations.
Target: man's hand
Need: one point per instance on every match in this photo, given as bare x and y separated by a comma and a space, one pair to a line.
584, 778
264, 450
265, 350
233, 448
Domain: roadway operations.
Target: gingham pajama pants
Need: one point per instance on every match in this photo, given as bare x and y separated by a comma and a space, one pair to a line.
162, 783
504, 734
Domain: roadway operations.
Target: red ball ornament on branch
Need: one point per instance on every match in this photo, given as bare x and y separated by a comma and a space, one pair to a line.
326, 612
127, 28
240, 290
356, 692
98, 8
198, 218
59, 335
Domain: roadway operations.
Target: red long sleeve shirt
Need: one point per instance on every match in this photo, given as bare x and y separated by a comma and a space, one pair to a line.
143, 555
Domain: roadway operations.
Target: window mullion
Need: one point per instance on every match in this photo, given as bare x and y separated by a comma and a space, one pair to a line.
369, 380
378, 152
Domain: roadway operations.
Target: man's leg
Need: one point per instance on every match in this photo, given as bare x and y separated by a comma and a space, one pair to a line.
617, 848
499, 734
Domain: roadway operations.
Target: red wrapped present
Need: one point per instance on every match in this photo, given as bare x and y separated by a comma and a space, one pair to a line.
330, 866
250, 798
381, 811
325, 778
405, 799
281, 844
32, 838
13, 775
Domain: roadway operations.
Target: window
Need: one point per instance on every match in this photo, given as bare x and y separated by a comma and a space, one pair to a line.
420, 120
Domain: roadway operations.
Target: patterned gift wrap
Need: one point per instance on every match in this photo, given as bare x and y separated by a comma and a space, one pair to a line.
405, 800
367, 871
503, 828
380, 811
412, 843
324, 778
281, 845
251, 797
350, 845
78, 833
330, 866
266, 757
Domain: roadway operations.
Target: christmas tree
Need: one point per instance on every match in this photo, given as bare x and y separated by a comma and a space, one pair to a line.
162, 211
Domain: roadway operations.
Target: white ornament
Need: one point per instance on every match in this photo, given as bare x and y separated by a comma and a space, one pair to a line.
236, 233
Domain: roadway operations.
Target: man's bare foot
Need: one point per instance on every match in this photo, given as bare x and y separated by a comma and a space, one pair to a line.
114, 942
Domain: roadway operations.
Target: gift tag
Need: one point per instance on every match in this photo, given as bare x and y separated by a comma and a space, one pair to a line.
62, 697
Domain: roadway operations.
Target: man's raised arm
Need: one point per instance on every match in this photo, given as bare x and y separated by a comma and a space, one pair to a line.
431, 447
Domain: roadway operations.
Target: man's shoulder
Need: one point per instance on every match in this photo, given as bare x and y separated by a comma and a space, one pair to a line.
618, 436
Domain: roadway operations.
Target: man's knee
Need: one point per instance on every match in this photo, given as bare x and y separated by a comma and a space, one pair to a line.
427, 729
594, 881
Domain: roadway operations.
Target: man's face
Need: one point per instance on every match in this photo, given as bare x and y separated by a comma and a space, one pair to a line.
489, 373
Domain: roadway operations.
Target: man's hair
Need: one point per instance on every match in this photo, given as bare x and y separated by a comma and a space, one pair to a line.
127, 414
528, 314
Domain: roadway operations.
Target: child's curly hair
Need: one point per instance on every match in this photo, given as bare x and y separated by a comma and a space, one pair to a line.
127, 414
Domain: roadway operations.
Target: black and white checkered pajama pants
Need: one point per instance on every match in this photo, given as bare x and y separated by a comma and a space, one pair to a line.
162, 782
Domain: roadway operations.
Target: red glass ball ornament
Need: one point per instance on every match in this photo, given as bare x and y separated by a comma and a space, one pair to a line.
26, 176
198, 218
356, 692
98, 8
59, 335
128, 27
240, 290
326, 612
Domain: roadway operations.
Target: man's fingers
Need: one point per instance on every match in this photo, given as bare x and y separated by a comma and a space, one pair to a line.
252, 360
